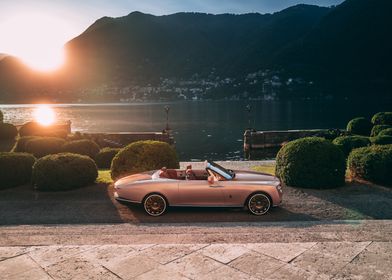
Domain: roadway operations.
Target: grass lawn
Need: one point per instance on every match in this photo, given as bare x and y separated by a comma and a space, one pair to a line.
104, 177
267, 168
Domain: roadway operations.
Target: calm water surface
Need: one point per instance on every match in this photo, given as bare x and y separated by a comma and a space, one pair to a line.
202, 130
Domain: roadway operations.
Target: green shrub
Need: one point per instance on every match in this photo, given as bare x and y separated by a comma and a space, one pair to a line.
82, 147
381, 140
378, 128
142, 156
7, 131
311, 162
359, 126
105, 156
384, 118
20, 145
348, 143
1, 116
15, 169
42, 146
372, 163
63, 172
36, 129
386, 132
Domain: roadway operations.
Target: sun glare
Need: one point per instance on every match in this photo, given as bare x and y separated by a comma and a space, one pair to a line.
37, 39
44, 114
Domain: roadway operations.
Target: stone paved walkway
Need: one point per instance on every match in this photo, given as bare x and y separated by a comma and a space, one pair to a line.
307, 260
296, 250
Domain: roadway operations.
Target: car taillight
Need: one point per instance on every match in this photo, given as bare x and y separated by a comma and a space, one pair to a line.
279, 188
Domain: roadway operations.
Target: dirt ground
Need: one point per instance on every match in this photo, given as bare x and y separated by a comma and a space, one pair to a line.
95, 204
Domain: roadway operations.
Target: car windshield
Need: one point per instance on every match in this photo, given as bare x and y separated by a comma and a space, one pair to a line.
225, 173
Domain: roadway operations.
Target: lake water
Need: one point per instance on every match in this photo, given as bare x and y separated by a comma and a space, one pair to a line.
205, 129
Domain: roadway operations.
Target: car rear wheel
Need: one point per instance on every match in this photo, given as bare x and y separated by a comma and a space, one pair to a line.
259, 204
155, 205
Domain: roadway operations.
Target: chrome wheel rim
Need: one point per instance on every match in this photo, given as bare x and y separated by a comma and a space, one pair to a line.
155, 205
259, 204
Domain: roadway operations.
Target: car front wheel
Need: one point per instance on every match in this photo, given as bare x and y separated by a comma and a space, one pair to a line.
259, 204
155, 205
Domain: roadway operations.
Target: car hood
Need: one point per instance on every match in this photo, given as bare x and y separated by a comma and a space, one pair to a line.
255, 176
132, 179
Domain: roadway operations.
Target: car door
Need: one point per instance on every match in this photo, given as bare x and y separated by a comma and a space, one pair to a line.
200, 193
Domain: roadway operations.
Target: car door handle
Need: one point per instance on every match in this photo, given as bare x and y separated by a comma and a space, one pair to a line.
215, 186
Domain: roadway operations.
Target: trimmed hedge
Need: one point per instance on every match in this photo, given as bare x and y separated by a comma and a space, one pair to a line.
143, 156
348, 143
105, 156
381, 140
15, 169
384, 118
63, 172
378, 128
20, 145
359, 126
42, 146
372, 163
386, 132
82, 147
36, 129
7, 131
311, 162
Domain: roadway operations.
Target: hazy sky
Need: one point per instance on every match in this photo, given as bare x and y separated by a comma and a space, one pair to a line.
26, 26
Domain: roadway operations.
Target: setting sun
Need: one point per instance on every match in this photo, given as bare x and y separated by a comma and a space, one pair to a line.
44, 114
37, 39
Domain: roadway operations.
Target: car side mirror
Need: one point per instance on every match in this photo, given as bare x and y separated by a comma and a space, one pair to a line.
211, 179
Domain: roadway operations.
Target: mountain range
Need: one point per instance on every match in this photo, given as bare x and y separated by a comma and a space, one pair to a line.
346, 47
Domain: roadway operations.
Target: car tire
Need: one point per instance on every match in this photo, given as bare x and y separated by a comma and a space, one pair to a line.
259, 204
155, 204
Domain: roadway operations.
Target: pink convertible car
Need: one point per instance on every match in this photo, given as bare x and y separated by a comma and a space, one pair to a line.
214, 186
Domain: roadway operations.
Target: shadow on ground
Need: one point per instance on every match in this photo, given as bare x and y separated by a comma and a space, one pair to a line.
23, 205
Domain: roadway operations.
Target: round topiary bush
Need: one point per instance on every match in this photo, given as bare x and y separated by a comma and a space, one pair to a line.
348, 143
143, 156
378, 128
359, 126
372, 163
7, 131
381, 140
15, 169
311, 162
20, 145
82, 147
386, 132
384, 118
105, 156
42, 146
63, 172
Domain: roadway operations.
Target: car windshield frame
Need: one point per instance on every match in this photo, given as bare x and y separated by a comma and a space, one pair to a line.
216, 168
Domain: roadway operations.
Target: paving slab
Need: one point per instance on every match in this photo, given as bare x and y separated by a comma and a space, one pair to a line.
166, 253
372, 263
16, 265
329, 257
194, 265
32, 274
133, 266
224, 253
282, 251
10, 252
257, 264
227, 273
161, 273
